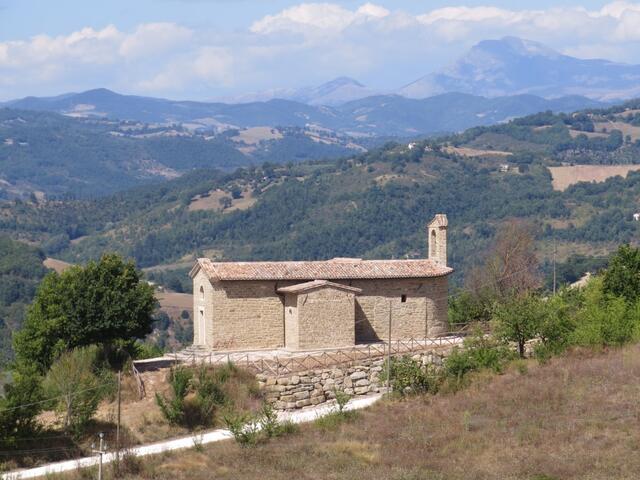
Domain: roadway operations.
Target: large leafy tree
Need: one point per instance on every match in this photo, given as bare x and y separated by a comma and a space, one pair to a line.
102, 303
622, 278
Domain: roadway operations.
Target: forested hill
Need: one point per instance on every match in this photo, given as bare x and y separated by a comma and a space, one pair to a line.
20, 271
370, 205
53, 155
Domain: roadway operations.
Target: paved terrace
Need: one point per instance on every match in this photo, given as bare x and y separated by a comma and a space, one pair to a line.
282, 361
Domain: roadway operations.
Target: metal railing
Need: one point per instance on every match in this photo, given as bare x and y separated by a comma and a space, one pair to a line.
261, 363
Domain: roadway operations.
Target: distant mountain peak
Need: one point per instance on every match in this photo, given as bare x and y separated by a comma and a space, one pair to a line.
343, 81
516, 46
335, 92
514, 66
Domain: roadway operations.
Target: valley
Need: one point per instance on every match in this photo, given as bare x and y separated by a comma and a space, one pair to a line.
319, 209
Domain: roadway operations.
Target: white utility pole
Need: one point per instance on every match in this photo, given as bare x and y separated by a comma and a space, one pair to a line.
101, 451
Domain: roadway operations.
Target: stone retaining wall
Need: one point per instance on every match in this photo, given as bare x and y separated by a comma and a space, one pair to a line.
313, 387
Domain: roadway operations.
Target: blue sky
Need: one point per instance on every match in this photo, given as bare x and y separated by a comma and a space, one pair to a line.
205, 49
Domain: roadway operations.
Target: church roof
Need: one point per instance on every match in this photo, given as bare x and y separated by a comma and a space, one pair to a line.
303, 287
336, 269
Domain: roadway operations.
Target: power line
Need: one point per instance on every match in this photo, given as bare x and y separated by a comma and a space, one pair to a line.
52, 398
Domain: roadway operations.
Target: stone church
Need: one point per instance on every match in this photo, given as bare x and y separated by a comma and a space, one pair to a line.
305, 305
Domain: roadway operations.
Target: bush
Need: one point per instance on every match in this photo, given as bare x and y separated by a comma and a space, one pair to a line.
74, 381
196, 393
605, 320
173, 409
410, 376
145, 350
479, 352
243, 427
19, 408
555, 328
342, 398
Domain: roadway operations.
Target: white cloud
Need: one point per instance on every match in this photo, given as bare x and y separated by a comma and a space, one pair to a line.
154, 38
208, 67
321, 16
303, 44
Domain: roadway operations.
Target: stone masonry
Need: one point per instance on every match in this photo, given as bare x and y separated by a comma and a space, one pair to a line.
309, 305
313, 387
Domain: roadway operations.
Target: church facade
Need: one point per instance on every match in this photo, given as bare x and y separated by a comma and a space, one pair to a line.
308, 305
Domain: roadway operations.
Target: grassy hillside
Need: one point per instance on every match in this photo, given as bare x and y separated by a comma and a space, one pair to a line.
574, 418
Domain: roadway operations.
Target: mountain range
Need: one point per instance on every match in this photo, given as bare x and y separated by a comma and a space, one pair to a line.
382, 115
492, 68
494, 81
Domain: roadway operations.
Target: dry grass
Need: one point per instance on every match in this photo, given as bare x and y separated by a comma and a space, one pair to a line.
174, 303
212, 201
625, 128
57, 265
474, 152
564, 177
577, 133
255, 135
575, 418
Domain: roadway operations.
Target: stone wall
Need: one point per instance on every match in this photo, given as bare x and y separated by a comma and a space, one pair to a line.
325, 318
418, 308
251, 315
247, 315
313, 387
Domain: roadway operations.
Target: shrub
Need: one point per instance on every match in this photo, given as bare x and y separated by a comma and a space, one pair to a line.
555, 328
173, 409
19, 408
72, 378
342, 398
410, 376
479, 352
606, 320
243, 427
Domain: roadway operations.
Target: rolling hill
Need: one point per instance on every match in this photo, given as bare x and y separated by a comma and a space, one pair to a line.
382, 115
46, 153
369, 205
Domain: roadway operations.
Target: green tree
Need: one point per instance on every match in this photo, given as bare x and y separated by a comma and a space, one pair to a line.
21, 403
103, 303
622, 278
519, 319
72, 380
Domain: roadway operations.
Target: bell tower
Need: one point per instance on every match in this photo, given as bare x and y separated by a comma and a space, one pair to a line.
437, 239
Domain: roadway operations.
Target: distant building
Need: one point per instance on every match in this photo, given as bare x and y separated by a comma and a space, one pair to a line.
321, 304
504, 168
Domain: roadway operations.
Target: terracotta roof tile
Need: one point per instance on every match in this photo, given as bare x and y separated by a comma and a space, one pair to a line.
302, 287
338, 269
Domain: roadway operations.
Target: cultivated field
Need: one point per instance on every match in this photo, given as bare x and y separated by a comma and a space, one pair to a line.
174, 303
564, 177
573, 418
